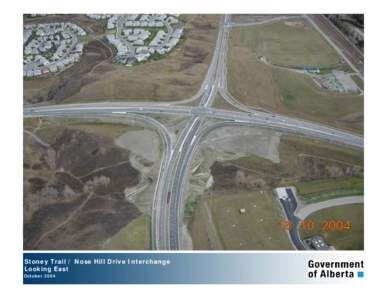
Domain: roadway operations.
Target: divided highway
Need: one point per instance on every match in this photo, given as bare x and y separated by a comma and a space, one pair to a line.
175, 165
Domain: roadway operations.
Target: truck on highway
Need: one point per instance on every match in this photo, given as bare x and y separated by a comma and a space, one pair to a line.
168, 197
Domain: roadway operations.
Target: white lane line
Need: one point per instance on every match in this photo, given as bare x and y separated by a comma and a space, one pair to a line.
192, 141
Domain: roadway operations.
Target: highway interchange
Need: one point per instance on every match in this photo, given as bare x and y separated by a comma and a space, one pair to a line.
178, 152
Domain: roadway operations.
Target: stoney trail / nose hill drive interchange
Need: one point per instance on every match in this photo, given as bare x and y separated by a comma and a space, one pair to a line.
167, 203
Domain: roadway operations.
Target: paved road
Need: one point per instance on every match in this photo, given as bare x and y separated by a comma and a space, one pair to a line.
289, 207
274, 121
168, 198
307, 210
36, 138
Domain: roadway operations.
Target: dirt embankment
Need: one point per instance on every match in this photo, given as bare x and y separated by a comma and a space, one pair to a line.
74, 197
256, 173
228, 175
58, 87
316, 168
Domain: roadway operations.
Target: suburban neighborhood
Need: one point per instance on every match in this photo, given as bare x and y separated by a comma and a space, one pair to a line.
138, 37
50, 47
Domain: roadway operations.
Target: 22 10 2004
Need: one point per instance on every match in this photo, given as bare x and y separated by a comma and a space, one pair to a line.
324, 226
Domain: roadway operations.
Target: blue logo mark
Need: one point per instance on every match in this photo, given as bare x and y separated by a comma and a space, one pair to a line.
360, 274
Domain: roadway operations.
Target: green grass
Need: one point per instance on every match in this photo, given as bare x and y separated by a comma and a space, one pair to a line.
358, 81
32, 37
316, 186
49, 53
318, 197
190, 206
134, 236
320, 190
287, 97
352, 239
154, 32
345, 68
257, 229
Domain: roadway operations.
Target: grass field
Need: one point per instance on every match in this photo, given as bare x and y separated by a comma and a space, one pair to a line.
257, 229
134, 236
259, 85
352, 239
300, 97
249, 81
294, 43
320, 190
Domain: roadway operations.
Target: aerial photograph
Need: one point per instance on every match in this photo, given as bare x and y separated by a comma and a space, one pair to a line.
193, 132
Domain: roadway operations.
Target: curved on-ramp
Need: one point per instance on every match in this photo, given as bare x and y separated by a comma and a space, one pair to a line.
307, 210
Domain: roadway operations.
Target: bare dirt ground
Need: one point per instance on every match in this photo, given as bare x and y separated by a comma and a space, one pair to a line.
145, 156
245, 141
229, 144
74, 188
146, 145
